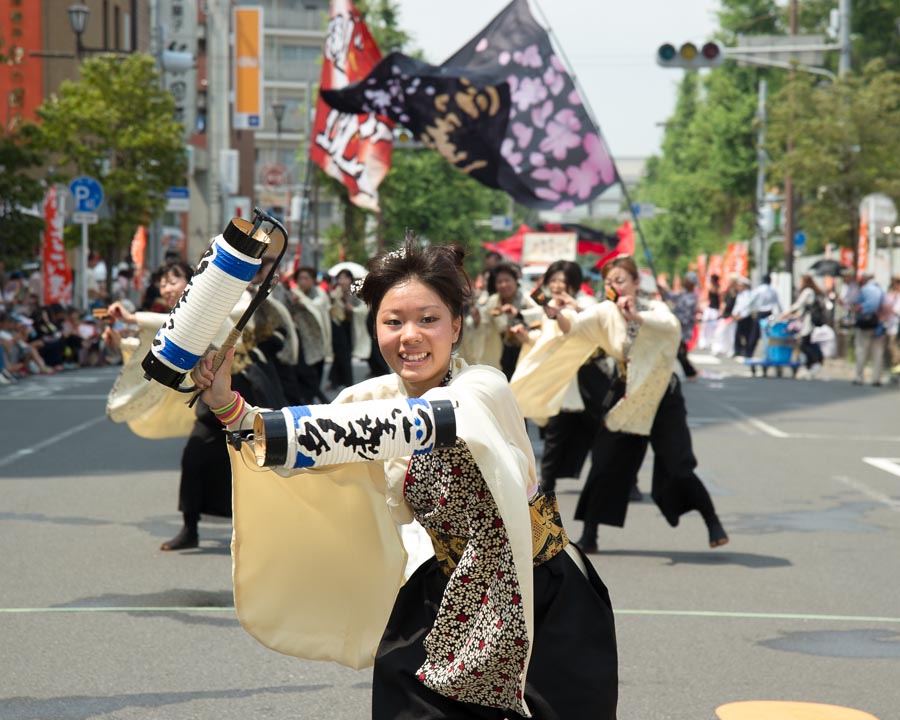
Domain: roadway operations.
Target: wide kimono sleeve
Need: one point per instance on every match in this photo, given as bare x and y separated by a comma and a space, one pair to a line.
541, 378
150, 409
490, 423
317, 558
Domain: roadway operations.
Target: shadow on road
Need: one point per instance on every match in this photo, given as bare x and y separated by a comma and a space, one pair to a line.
675, 557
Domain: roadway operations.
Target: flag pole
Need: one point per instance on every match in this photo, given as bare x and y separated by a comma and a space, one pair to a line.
590, 112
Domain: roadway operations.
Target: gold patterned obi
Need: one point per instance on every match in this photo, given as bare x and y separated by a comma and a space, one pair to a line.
548, 536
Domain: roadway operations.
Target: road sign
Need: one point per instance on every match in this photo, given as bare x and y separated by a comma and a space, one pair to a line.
178, 199
87, 194
501, 222
85, 218
644, 210
799, 239
274, 174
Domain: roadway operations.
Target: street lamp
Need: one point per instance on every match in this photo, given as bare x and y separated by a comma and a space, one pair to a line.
78, 18
278, 112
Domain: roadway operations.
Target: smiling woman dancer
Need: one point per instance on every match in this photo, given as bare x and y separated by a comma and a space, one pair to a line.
507, 620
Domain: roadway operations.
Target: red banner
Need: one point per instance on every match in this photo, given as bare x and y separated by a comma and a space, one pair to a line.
862, 249
138, 250
355, 149
57, 274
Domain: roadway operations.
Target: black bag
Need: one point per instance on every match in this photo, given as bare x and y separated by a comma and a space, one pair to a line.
817, 313
867, 321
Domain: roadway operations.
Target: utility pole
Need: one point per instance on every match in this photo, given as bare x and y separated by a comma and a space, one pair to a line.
789, 184
844, 38
762, 247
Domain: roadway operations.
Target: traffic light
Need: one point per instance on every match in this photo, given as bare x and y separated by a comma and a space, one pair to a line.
689, 56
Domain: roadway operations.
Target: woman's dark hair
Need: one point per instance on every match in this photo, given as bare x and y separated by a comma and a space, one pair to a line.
439, 267
498, 269
570, 270
341, 273
808, 281
626, 262
179, 268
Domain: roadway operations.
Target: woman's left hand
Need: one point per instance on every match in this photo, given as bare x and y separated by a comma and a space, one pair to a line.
628, 307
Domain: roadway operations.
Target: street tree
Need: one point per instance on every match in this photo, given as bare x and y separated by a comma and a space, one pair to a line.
845, 146
19, 190
117, 125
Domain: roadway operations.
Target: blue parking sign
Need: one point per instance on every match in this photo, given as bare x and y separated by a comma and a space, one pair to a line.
87, 194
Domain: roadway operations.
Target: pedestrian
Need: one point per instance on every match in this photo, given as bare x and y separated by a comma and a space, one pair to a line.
710, 314
809, 310
508, 620
763, 302
742, 313
870, 334
684, 306
349, 335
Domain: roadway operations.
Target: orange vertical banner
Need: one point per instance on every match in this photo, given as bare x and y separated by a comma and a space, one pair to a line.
248, 67
862, 251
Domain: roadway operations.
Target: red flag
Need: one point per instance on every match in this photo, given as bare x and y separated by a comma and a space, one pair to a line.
355, 149
57, 274
625, 246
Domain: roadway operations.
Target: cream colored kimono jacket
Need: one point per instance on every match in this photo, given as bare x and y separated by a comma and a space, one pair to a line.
151, 409
546, 370
317, 556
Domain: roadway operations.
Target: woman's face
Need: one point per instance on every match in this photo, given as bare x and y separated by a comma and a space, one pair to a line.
171, 285
416, 332
506, 286
557, 283
344, 281
620, 280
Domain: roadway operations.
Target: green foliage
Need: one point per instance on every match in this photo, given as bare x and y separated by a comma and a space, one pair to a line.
381, 18
19, 233
845, 145
845, 140
116, 124
427, 195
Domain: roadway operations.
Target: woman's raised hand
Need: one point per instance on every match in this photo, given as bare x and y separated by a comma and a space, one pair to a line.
215, 386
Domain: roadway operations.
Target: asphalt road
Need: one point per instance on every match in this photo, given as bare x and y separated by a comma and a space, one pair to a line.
96, 622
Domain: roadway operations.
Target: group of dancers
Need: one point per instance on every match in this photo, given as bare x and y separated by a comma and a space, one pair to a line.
508, 619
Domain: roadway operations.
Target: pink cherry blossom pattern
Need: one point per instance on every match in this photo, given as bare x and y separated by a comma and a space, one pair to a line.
564, 206
554, 81
529, 92
537, 159
523, 134
504, 57
599, 158
556, 178
482, 45
540, 114
529, 57
582, 180
574, 98
508, 151
562, 134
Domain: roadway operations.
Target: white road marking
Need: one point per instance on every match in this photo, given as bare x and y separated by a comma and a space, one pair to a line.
891, 465
19, 454
868, 491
